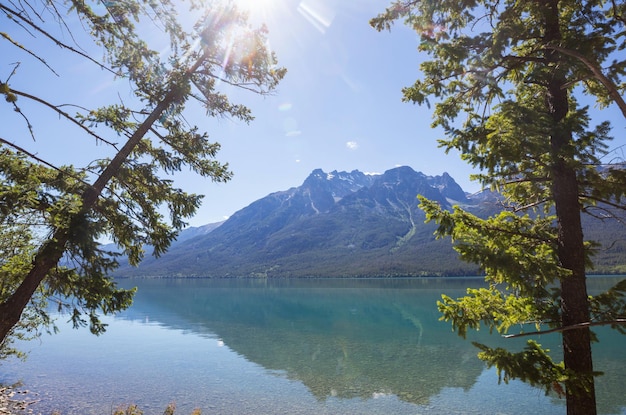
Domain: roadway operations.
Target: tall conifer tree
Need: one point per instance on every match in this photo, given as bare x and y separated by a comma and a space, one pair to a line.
505, 77
125, 192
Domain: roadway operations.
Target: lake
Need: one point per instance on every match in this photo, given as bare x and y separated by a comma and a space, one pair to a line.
308, 346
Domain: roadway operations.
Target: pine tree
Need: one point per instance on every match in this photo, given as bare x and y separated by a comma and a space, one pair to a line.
129, 197
514, 70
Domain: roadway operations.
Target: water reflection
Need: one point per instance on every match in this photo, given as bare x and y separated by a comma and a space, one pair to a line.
299, 347
349, 338
339, 338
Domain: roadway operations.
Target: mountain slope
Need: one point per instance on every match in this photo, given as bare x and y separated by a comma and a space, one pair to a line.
336, 224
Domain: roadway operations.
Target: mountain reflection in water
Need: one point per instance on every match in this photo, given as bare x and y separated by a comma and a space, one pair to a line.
302, 347
346, 342
347, 338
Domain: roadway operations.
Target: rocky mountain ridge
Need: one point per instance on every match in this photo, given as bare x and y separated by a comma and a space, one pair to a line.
337, 224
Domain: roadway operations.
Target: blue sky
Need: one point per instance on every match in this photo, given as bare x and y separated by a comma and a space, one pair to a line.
339, 107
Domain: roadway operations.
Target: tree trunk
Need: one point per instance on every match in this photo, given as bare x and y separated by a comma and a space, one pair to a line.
47, 257
580, 390
52, 250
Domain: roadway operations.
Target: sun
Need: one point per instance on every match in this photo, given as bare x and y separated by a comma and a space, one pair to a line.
265, 12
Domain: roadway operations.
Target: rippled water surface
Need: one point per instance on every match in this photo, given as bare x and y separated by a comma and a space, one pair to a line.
313, 346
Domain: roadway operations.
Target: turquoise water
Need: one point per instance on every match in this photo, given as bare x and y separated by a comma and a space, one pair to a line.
290, 347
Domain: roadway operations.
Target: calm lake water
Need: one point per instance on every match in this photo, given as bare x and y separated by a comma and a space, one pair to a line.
314, 346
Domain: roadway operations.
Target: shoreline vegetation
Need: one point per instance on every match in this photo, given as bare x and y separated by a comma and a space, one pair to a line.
313, 277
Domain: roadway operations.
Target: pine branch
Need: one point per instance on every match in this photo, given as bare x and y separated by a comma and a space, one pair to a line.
40, 160
567, 328
601, 200
44, 162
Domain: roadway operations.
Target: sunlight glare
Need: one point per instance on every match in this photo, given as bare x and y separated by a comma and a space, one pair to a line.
255, 7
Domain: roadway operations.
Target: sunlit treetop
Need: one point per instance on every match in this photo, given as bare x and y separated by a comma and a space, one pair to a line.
125, 191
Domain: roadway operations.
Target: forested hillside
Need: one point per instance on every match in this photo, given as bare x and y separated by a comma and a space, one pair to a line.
342, 224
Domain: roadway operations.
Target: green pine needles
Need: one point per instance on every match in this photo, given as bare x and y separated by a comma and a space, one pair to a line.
505, 81
125, 192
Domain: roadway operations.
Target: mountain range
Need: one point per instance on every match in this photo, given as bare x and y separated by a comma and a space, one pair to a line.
346, 224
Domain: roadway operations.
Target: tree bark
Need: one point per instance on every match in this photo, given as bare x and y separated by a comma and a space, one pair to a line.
47, 257
580, 390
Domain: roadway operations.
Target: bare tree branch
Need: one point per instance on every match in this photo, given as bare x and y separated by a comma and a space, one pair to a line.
597, 73
62, 45
31, 53
65, 115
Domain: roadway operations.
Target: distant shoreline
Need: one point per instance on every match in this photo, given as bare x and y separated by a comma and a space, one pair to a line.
364, 277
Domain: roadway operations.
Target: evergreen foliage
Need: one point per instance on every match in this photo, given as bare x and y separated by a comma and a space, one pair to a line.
53, 216
514, 69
